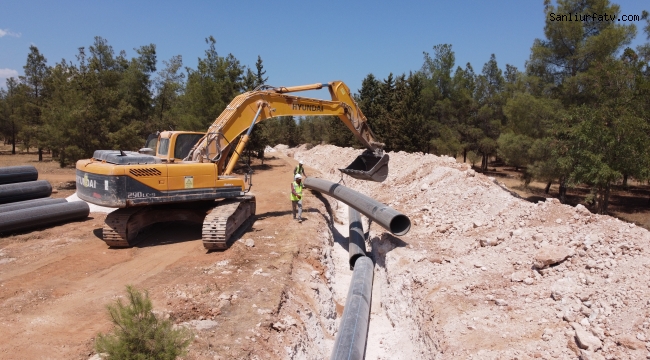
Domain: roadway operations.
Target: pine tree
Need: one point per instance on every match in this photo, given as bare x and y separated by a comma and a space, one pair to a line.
139, 333
169, 86
13, 100
36, 72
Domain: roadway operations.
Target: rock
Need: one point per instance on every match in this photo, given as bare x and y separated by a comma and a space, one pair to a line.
630, 342
501, 302
471, 173
640, 337
562, 288
590, 355
424, 187
586, 340
585, 296
547, 335
477, 223
591, 264
489, 242
279, 326
529, 281
284, 324
582, 210
569, 316
249, 242
203, 324
549, 255
290, 321
519, 276
599, 332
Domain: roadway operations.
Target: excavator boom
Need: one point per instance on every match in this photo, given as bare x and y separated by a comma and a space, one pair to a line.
253, 107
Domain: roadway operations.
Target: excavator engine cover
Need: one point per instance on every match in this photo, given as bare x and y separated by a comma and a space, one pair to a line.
368, 166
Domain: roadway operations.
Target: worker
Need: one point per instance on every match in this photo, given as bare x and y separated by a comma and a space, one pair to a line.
300, 170
296, 197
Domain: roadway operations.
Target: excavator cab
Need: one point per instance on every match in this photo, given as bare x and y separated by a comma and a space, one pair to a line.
369, 167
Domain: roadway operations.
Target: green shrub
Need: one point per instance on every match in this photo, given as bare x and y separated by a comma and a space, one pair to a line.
139, 333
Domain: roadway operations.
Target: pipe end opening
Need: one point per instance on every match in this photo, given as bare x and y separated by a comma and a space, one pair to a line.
400, 225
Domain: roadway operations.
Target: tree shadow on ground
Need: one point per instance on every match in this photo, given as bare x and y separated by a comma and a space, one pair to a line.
265, 166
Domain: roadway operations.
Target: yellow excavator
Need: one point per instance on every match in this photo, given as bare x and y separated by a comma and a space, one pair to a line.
188, 176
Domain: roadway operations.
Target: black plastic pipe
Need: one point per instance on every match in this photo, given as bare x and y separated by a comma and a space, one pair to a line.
350, 343
357, 238
24, 191
389, 218
15, 174
43, 216
30, 204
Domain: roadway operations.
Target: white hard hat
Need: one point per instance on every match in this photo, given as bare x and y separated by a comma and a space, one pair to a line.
297, 176
301, 162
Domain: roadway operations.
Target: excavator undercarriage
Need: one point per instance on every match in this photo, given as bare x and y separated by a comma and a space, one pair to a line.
222, 220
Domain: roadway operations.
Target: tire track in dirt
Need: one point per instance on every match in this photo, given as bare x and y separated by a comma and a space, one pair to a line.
64, 317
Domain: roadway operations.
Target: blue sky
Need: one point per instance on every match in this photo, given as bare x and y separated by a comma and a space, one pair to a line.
300, 42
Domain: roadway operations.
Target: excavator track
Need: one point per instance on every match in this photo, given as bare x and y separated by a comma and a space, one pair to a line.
227, 221
115, 232
222, 221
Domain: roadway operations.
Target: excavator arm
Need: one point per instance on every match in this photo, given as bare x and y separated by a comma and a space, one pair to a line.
252, 107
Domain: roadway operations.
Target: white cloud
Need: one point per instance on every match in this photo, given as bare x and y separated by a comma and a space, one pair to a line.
6, 32
5, 74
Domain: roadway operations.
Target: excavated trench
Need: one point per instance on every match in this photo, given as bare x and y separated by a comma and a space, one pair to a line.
395, 320
485, 274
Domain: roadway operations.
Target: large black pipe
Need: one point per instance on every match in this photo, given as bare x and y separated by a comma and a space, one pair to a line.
350, 343
15, 174
357, 238
24, 191
390, 219
30, 204
43, 216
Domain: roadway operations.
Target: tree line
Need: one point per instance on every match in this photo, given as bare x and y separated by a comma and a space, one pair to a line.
578, 113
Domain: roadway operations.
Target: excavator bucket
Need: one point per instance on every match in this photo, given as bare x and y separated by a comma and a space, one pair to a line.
368, 166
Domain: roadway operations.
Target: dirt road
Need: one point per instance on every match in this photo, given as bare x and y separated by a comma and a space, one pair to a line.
55, 283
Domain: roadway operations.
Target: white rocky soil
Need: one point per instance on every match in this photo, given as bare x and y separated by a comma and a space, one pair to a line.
482, 274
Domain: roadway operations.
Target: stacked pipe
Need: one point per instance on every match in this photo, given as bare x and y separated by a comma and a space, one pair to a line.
15, 174
350, 343
25, 202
